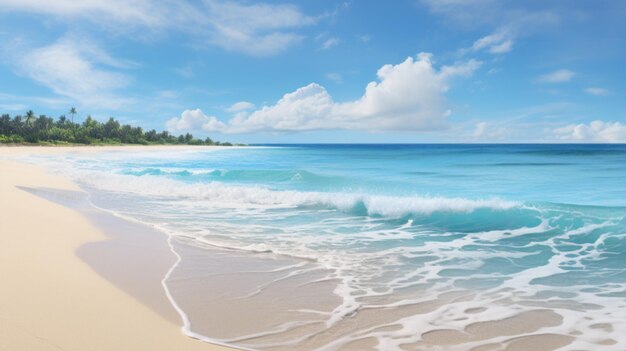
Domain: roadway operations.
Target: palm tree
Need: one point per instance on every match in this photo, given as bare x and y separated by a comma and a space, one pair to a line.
62, 120
72, 112
30, 117
30, 130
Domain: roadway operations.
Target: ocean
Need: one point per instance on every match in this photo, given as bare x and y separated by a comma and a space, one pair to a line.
391, 247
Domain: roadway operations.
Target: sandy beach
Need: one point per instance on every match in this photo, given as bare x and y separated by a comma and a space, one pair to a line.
53, 300
254, 175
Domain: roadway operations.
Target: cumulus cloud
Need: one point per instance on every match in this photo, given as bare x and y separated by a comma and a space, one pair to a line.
406, 96
597, 91
194, 120
596, 131
558, 76
256, 29
304, 109
77, 69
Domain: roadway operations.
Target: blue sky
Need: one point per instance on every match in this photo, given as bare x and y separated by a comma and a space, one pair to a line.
325, 71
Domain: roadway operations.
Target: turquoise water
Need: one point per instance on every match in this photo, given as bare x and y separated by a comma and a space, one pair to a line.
540, 224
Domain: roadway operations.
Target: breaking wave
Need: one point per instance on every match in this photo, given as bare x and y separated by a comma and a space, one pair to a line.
246, 196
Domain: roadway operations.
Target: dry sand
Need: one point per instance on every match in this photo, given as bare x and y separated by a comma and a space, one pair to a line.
51, 299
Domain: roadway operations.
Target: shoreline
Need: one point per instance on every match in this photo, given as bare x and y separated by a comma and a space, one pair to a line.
210, 309
52, 298
17, 150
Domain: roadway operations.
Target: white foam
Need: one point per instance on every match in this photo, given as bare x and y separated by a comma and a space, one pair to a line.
239, 195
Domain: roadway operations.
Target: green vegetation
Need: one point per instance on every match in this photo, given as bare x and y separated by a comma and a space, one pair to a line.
30, 129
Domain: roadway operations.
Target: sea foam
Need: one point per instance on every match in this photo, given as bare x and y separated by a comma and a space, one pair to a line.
243, 195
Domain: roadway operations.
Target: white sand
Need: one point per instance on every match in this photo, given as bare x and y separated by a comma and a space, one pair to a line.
50, 299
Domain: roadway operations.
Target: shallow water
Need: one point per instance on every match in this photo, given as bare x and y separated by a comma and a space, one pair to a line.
384, 246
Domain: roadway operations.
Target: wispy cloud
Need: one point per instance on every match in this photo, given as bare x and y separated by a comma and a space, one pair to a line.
325, 41
79, 70
509, 20
142, 13
597, 91
257, 29
558, 76
329, 43
497, 43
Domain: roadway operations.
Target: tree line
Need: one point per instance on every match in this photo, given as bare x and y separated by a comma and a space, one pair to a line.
45, 130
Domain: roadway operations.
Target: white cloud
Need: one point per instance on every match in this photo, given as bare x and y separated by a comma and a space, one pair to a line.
502, 48
496, 43
406, 96
255, 29
304, 109
141, 13
194, 120
365, 38
252, 17
597, 91
596, 131
329, 43
240, 106
78, 70
558, 76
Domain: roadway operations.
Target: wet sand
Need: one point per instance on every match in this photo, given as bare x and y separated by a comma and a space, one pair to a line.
53, 300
